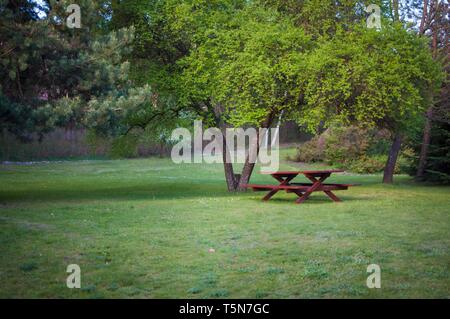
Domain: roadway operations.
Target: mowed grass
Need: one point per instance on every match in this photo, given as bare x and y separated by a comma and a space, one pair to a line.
145, 229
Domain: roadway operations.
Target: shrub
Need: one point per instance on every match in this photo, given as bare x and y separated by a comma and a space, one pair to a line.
380, 142
405, 161
124, 147
97, 144
309, 151
437, 168
353, 148
344, 144
375, 164
336, 146
367, 165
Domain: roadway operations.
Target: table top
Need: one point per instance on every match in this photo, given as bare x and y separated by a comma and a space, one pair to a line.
306, 172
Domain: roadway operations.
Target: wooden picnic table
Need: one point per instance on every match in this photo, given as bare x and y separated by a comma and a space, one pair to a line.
302, 190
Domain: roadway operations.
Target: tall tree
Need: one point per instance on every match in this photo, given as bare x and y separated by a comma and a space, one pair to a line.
248, 73
435, 24
388, 173
235, 64
374, 78
50, 72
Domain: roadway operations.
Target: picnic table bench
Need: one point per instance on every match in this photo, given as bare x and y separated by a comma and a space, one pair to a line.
302, 190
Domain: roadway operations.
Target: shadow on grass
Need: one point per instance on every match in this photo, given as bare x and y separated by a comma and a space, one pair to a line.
314, 199
166, 190
152, 191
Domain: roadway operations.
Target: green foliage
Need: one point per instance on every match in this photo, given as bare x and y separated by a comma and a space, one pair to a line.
97, 142
231, 62
323, 18
310, 151
354, 148
124, 146
405, 160
262, 63
244, 63
373, 77
337, 145
249, 66
110, 114
345, 143
166, 32
438, 165
50, 72
437, 169
376, 78
367, 165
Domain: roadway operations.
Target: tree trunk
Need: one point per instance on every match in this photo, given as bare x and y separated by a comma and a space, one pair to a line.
230, 177
236, 182
425, 144
424, 17
428, 119
395, 8
389, 169
247, 170
161, 149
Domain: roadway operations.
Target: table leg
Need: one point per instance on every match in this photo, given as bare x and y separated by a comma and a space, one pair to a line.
283, 181
316, 184
270, 194
299, 193
332, 196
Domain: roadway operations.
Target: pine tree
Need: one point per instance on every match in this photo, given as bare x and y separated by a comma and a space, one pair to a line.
50, 72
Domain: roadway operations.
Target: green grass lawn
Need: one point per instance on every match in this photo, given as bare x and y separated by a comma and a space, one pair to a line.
143, 229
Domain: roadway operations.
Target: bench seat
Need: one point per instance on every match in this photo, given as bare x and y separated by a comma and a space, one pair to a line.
298, 187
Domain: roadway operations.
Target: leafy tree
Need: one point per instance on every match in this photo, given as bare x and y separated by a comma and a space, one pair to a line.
247, 73
239, 64
375, 78
434, 23
438, 163
49, 72
229, 62
372, 77
171, 31
323, 18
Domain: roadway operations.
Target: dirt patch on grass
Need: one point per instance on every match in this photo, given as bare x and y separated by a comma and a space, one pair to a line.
26, 224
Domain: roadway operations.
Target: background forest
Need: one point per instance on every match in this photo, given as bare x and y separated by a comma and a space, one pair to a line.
375, 99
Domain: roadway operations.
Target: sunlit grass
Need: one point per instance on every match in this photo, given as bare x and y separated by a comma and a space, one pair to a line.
144, 228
